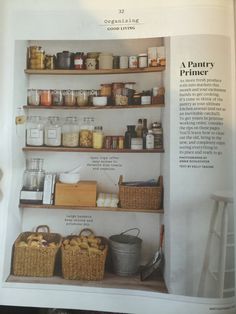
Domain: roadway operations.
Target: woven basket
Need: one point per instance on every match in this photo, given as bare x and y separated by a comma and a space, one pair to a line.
80, 265
141, 197
35, 261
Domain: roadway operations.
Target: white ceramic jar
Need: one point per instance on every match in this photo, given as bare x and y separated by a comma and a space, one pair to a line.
105, 61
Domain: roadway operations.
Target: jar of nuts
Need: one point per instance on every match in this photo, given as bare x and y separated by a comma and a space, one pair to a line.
86, 133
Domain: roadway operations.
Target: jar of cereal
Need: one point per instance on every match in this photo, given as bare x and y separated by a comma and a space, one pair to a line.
86, 133
70, 132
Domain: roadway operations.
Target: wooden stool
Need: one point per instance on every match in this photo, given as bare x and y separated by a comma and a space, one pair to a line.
226, 198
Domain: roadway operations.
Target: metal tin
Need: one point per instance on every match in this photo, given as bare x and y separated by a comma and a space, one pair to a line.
133, 62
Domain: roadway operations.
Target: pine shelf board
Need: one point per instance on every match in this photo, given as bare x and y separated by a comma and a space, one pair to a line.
89, 150
94, 72
155, 284
63, 107
111, 209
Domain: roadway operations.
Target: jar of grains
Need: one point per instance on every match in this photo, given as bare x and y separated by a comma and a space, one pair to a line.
70, 132
98, 137
69, 97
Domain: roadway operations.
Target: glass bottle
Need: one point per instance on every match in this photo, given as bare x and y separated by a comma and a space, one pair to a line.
129, 134
34, 131
139, 128
150, 140
70, 132
52, 133
98, 137
158, 134
144, 133
86, 133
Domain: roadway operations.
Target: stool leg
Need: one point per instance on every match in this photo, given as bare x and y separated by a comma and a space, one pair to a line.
202, 282
223, 246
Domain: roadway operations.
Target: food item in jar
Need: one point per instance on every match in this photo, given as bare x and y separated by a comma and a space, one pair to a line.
98, 137
69, 98
86, 138
45, 98
50, 61
121, 100
70, 139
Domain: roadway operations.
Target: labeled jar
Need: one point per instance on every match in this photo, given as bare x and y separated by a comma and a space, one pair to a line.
158, 135
133, 62
129, 134
52, 133
34, 131
82, 97
57, 97
45, 97
86, 133
33, 97
149, 140
79, 60
136, 143
70, 132
124, 62
142, 60
69, 98
98, 137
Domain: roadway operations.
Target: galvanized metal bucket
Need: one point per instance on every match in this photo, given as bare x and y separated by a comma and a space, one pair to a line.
125, 253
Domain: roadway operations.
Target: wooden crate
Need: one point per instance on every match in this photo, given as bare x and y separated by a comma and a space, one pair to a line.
83, 193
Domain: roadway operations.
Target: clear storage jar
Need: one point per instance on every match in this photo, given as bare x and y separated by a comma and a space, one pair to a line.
70, 97
57, 97
98, 137
33, 97
34, 131
52, 133
82, 97
70, 132
46, 97
86, 133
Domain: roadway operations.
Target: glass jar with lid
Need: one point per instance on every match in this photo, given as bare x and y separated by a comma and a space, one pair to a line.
98, 137
52, 133
70, 132
46, 97
57, 97
86, 133
34, 131
33, 97
82, 97
70, 97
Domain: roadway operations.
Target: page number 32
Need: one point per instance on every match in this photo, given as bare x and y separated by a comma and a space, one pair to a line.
121, 11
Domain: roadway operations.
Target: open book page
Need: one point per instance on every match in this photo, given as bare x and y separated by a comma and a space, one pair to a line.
188, 54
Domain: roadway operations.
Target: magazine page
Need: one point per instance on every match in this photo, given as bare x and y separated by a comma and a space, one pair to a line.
118, 172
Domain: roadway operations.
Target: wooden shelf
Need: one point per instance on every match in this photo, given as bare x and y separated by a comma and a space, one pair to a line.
94, 72
155, 284
89, 150
111, 209
94, 107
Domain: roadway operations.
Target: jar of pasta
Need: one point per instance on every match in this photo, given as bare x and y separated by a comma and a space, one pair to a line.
86, 133
98, 137
70, 132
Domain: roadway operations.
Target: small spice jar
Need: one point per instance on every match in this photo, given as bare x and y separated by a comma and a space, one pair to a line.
133, 62
108, 142
50, 61
70, 132
121, 142
34, 131
52, 134
98, 137
45, 98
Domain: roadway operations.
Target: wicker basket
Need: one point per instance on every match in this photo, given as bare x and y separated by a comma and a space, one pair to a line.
141, 197
80, 264
35, 261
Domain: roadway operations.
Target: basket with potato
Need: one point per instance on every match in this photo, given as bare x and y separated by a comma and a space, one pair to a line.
84, 256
